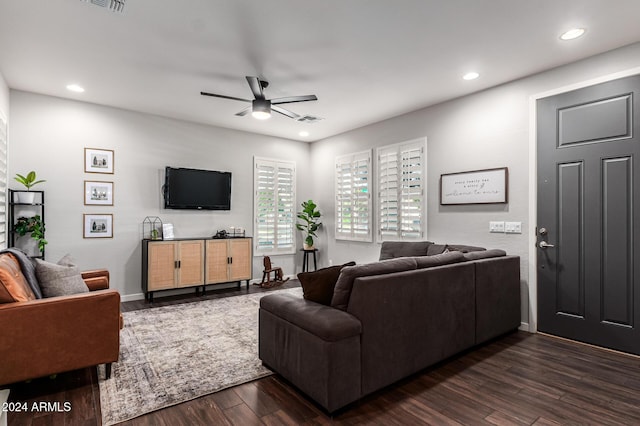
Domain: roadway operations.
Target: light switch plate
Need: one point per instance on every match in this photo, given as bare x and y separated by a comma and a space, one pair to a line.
513, 227
496, 227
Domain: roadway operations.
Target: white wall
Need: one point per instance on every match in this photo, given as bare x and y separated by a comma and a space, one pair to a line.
49, 135
484, 130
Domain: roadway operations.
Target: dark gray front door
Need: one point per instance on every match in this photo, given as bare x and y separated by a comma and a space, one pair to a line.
588, 214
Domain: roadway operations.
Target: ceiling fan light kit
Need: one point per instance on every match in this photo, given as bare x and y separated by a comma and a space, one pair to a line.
261, 107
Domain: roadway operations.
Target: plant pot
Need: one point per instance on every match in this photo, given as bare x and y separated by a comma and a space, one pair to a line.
26, 197
307, 247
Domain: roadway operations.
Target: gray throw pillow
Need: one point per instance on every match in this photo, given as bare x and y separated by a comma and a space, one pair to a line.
60, 279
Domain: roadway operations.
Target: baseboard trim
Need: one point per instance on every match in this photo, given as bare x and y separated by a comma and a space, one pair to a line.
524, 326
132, 297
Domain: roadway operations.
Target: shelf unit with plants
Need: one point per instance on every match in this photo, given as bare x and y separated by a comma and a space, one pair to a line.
27, 220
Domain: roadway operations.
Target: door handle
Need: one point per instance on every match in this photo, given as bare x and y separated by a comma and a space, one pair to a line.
544, 245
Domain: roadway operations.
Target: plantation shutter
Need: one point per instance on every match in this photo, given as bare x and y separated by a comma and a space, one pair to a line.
353, 197
401, 183
3, 182
274, 185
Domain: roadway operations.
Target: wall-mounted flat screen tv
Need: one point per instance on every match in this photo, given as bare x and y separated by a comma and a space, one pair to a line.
197, 189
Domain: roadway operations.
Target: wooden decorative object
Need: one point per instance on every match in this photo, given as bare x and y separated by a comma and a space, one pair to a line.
266, 274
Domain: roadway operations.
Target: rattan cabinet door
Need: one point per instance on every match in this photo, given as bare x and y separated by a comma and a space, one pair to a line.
191, 266
162, 271
240, 266
217, 262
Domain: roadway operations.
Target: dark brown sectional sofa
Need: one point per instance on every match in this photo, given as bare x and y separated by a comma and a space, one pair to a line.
389, 319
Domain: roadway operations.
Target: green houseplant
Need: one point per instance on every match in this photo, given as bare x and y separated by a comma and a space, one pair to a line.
33, 225
310, 222
28, 181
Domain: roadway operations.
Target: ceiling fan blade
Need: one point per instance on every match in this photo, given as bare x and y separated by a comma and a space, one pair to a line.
256, 87
292, 99
244, 112
284, 111
224, 97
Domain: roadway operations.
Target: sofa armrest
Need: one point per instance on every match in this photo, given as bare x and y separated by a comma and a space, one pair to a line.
57, 334
329, 324
497, 296
97, 279
313, 346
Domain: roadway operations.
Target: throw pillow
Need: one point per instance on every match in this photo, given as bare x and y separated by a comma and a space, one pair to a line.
318, 286
60, 279
13, 285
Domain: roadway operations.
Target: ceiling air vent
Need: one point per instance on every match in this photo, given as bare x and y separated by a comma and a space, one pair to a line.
309, 119
112, 5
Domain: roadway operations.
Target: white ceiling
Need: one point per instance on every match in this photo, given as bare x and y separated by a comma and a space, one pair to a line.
366, 60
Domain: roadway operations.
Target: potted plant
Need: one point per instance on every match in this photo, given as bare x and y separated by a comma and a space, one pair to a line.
309, 215
28, 181
33, 225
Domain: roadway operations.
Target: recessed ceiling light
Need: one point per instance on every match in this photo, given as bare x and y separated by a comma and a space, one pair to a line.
75, 88
304, 133
572, 33
471, 75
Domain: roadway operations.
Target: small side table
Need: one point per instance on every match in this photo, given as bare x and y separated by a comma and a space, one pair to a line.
305, 259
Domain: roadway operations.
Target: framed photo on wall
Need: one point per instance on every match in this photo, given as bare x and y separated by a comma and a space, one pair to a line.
98, 160
489, 186
98, 193
98, 226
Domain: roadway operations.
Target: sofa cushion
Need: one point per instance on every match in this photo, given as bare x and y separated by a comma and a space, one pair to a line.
13, 285
348, 274
464, 248
60, 279
439, 259
435, 249
484, 254
393, 249
318, 286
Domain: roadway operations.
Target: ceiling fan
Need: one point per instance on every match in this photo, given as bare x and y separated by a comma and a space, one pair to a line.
261, 107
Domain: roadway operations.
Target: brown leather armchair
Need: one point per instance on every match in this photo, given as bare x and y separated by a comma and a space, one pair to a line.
53, 335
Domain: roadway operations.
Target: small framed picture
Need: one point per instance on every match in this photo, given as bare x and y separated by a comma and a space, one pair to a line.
98, 160
98, 193
98, 226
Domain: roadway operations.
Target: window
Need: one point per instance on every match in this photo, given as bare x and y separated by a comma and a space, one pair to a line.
353, 197
401, 177
275, 198
3, 182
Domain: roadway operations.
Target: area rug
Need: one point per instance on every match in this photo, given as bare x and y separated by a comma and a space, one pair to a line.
173, 354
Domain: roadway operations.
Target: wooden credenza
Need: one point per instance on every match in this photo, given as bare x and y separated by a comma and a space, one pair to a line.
192, 262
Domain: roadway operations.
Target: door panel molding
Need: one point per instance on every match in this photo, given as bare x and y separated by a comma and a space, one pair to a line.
598, 121
616, 281
570, 220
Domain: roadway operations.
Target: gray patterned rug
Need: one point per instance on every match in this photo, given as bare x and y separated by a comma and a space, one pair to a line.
173, 354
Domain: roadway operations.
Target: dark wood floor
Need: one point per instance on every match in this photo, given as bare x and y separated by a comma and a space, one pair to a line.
519, 379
